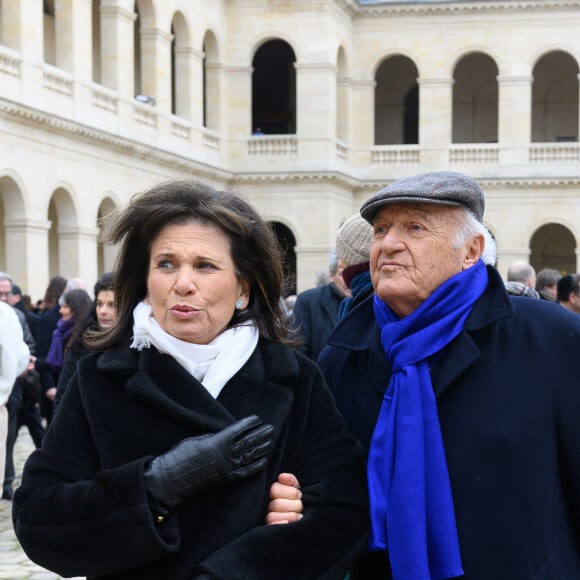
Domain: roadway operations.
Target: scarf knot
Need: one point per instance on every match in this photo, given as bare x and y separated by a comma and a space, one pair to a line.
412, 514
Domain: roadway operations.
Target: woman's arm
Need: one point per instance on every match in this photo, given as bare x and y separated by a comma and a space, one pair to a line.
326, 542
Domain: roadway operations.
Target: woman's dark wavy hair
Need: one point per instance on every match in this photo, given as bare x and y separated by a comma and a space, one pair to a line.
80, 304
255, 251
53, 291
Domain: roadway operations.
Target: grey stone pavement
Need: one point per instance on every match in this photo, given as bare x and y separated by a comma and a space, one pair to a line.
14, 564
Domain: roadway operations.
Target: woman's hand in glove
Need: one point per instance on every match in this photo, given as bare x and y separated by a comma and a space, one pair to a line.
199, 463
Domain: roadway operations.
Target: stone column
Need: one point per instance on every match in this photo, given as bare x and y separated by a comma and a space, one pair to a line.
514, 118
214, 83
27, 253
156, 66
187, 84
117, 41
316, 109
435, 118
74, 38
77, 250
362, 121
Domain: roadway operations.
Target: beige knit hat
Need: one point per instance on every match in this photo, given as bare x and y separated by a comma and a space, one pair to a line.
353, 240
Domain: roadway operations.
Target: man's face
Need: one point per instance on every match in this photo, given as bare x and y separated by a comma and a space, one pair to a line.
412, 253
338, 280
5, 287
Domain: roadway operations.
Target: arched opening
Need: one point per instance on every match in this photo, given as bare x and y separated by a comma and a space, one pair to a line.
180, 70
49, 32
396, 102
555, 98
138, 80
2, 39
475, 100
96, 28
274, 89
287, 242
63, 257
53, 253
342, 115
211, 82
11, 209
553, 246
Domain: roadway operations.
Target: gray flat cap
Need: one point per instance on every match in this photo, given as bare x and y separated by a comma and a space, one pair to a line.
441, 187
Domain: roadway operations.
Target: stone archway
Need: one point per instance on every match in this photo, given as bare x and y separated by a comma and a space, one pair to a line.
553, 246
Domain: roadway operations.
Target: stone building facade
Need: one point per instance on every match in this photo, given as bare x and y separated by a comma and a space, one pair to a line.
306, 107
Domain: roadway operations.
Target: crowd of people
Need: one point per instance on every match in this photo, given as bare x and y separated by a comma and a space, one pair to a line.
411, 417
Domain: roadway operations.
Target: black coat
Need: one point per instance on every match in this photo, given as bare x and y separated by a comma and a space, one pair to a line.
315, 315
508, 394
82, 507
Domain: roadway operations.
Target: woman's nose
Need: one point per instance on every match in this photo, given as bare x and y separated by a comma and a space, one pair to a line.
184, 283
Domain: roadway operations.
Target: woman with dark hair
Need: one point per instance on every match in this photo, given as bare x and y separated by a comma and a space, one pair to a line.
168, 439
74, 309
102, 316
46, 325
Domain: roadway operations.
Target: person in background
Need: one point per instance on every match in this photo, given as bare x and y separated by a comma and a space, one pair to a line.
74, 309
190, 409
47, 323
315, 312
568, 294
521, 280
14, 360
353, 242
462, 396
547, 284
102, 316
290, 301
16, 395
16, 301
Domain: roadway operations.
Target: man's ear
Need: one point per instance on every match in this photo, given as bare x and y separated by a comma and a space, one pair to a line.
473, 251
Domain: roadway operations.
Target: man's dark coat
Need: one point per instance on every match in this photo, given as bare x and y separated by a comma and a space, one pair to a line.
508, 394
82, 507
315, 315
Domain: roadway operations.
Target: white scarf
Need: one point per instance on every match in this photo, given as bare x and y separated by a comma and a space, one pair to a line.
212, 364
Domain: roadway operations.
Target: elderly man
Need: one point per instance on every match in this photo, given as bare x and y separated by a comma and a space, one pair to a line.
462, 397
521, 280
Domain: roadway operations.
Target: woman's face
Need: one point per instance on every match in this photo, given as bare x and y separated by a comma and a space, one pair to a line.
192, 283
65, 312
105, 308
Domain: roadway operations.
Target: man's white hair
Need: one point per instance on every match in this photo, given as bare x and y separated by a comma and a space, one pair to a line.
471, 227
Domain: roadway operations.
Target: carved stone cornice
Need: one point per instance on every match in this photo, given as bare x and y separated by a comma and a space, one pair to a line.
36, 118
466, 7
331, 177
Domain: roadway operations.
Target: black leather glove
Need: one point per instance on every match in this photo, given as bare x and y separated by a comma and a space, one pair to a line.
199, 463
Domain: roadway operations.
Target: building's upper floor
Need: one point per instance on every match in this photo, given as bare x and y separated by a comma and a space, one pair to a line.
365, 90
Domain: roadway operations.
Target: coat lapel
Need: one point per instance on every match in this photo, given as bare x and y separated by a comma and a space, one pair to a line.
464, 351
159, 381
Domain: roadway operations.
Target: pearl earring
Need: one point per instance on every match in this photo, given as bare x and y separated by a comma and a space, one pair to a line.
239, 304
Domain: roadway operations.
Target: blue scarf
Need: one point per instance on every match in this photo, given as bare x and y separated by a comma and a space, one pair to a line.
412, 511
60, 337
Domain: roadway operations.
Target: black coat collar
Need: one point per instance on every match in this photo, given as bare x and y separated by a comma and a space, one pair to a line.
158, 380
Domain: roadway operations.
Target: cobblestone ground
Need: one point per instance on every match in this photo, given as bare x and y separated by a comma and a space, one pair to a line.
14, 564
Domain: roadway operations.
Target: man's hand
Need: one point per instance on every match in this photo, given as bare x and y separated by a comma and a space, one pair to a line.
286, 500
